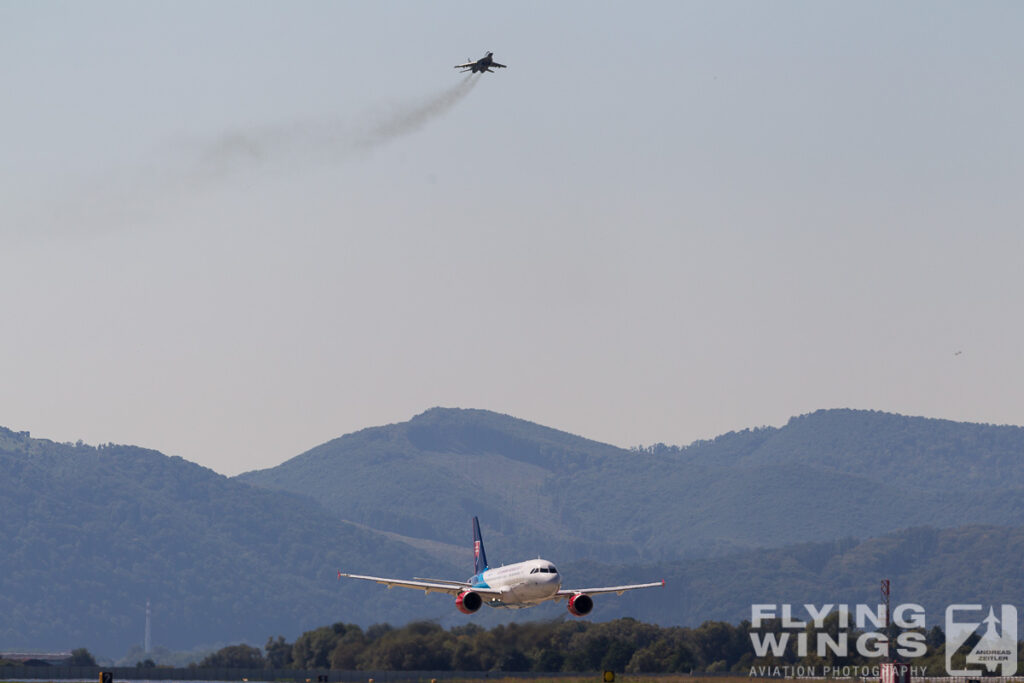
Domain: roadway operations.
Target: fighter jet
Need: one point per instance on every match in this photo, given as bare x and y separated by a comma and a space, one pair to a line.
483, 64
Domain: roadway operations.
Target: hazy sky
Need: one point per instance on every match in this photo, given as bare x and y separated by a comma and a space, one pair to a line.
231, 231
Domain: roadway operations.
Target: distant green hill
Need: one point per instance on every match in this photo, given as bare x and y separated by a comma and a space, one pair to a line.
428, 477
930, 567
87, 535
830, 474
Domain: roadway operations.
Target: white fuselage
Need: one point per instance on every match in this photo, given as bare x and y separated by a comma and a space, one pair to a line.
521, 584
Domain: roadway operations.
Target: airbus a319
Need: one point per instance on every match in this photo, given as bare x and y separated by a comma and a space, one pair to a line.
514, 586
483, 64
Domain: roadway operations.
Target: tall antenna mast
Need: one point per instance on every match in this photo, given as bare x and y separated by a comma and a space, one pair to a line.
888, 622
147, 627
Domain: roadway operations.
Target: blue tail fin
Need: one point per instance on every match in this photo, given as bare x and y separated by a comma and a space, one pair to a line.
479, 556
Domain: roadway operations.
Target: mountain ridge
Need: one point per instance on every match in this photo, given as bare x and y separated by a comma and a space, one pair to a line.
90, 533
865, 464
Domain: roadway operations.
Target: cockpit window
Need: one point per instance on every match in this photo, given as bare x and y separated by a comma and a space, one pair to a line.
551, 568
534, 570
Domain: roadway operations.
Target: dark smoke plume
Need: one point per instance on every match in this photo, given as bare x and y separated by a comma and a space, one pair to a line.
407, 120
328, 141
133, 198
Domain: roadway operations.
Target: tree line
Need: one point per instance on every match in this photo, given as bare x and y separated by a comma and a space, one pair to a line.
624, 645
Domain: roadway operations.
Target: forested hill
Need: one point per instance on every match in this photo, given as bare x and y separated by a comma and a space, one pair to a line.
917, 452
829, 474
931, 567
89, 534
429, 476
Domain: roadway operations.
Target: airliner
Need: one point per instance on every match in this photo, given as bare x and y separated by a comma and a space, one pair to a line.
514, 586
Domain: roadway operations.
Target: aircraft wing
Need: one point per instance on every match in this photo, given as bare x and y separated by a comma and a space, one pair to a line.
499, 66
465, 66
607, 589
446, 581
432, 586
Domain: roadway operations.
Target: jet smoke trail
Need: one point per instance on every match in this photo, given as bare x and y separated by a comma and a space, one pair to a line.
406, 121
132, 196
331, 141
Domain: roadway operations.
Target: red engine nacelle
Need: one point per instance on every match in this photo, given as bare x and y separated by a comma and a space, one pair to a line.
468, 602
580, 604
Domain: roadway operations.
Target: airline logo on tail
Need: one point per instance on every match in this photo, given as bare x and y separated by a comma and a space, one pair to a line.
479, 554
